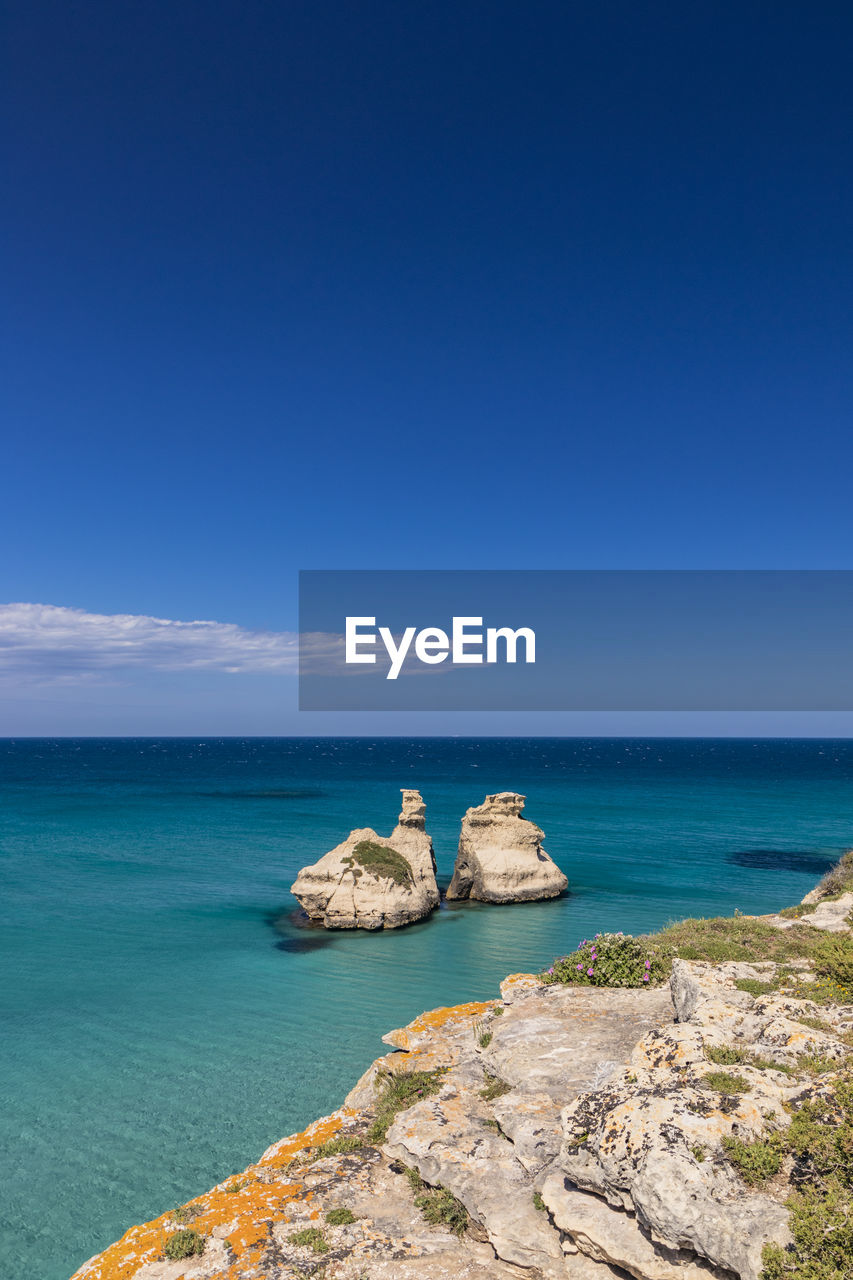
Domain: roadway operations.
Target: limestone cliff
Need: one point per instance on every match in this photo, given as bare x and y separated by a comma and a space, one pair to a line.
500, 856
560, 1132
369, 882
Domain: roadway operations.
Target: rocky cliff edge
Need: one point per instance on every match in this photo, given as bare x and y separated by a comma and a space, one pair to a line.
557, 1132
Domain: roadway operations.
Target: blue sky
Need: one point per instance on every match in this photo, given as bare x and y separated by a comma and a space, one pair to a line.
380, 285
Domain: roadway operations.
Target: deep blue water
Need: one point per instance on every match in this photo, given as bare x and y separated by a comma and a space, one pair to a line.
163, 1017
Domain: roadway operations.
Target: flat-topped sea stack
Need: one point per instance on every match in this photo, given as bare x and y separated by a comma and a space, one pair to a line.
500, 856
370, 882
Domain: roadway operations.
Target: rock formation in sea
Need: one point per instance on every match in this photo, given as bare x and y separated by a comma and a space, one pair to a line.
370, 882
500, 856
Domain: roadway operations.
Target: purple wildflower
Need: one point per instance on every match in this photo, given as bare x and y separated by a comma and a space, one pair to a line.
590, 972
645, 977
648, 964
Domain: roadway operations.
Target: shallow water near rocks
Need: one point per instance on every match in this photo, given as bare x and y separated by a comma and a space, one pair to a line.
166, 1017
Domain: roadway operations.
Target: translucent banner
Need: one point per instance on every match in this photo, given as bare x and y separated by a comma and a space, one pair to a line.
566, 640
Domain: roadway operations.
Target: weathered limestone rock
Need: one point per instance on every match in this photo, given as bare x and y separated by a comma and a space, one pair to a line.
368, 882
248, 1223
494, 1128
615, 1237
649, 1142
500, 856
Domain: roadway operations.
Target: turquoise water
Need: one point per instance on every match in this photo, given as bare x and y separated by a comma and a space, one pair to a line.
165, 1019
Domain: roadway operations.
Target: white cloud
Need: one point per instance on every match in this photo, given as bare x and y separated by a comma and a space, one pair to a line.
44, 642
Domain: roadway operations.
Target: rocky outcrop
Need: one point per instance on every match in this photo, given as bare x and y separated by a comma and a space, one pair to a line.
642, 1179
369, 882
577, 1127
500, 856
830, 914
494, 1127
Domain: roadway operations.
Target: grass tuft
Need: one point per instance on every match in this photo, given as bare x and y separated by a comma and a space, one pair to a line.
494, 1087
336, 1147
726, 1082
755, 986
440, 1208
839, 879
340, 1217
398, 1091
725, 1055
186, 1212
183, 1244
413, 1177
310, 1238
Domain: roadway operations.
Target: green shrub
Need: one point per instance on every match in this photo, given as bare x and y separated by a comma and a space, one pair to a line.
382, 862
441, 1209
485, 1040
538, 1202
610, 960
727, 1083
310, 1238
494, 1087
839, 879
725, 1055
820, 1138
340, 1217
755, 1161
821, 1131
621, 960
833, 959
183, 1244
398, 1091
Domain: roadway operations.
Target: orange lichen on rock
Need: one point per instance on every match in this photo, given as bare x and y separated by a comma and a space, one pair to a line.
407, 1037
242, 1216
517, 982
282, 1152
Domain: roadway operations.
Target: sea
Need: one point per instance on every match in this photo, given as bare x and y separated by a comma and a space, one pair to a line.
167, 1014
